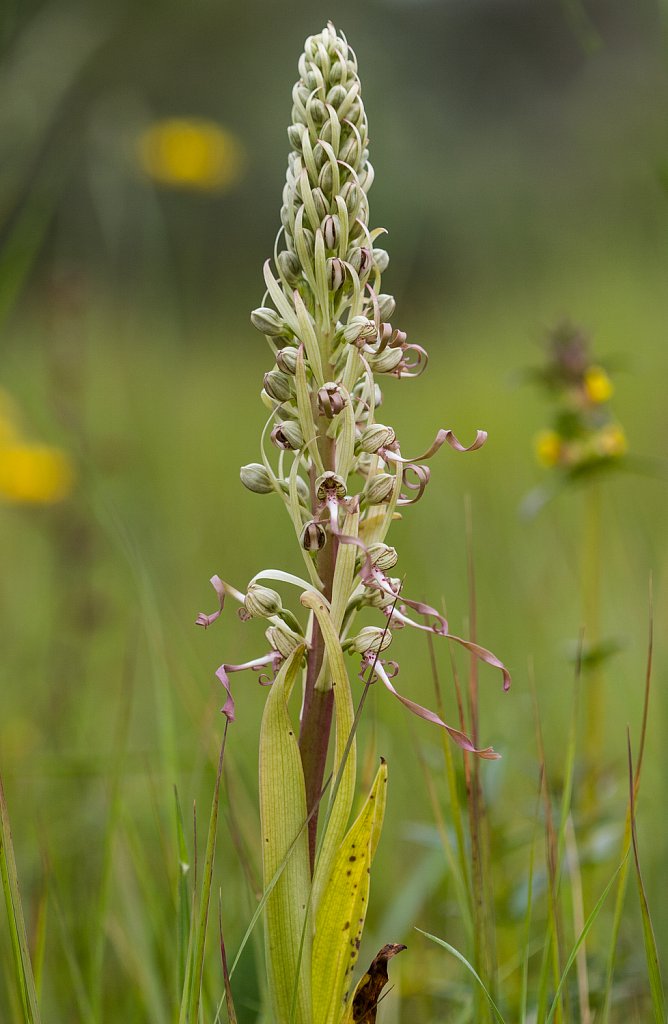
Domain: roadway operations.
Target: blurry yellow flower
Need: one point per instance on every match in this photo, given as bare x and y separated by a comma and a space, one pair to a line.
547, 446
191, 153
598, 386
611, 441
35, 474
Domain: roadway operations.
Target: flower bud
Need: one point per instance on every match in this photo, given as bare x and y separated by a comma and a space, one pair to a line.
379, 488
326, 178
289, 266
267, 321
382, 556
336, 274
317, 109
329, 485
278, 385
336, 96
331, 231
336, 72
370, 640
320, 202
359, 258
382, 260
283, 639
352, 197
262, 602
313, 537
386, 306
331, 399
286, 360
295, 132
287, 436
256, 478
359, 328
350, 151
386, 361
377, 436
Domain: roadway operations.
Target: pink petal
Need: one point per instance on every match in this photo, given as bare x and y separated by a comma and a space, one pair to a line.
206, 620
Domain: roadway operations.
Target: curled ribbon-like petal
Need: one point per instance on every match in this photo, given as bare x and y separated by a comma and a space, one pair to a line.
206, 620
459, 737
442, 437
223, 673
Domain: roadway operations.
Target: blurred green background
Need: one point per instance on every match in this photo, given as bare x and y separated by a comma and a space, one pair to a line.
521, 157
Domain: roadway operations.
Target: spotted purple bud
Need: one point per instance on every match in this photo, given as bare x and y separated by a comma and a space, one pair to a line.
379, 488
256, 478
330, 485
313, 537
359, 258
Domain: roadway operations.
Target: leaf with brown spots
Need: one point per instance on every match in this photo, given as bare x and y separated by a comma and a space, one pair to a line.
364, 1004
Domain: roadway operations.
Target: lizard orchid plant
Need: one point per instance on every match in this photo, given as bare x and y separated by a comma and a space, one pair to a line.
343, 478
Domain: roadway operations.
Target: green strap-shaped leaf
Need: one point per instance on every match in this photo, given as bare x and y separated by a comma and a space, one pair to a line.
282, 817
342, 910
344, 772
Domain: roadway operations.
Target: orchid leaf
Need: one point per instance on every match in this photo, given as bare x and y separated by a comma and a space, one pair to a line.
282, 816
342, 910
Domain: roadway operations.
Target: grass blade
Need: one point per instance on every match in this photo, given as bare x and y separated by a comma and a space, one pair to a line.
469, 967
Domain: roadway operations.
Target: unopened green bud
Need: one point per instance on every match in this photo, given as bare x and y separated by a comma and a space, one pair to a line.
350, 151
359, 328
326, 179
313, 537
386, 361
382, 556
382, 260
379, 488
287, 436
283, 639
286, 360
295, 132
256, 478
370, 640
336, 274
386, 306
289, 266
352, 197
336, 96
267, 321
262, 602
320, 202
330, 485
278, 385
377, 436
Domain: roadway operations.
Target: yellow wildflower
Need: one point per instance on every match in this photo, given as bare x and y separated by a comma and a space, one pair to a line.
597, 384
611, 441
34, 474
547, 446
191, 154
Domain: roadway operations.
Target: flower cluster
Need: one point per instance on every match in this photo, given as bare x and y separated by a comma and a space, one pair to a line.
584, 434
338, 469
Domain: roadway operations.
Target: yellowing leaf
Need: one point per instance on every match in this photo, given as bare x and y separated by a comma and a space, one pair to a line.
363, 1006
342, 910
285, 849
